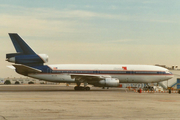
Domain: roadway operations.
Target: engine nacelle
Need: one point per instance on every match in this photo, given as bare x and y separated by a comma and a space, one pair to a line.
44, 57
109, 82
28, 59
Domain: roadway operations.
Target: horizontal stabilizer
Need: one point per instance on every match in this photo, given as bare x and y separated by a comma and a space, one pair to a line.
23, 69
11, 67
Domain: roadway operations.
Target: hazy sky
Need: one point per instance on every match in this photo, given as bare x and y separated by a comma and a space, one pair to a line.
93, 31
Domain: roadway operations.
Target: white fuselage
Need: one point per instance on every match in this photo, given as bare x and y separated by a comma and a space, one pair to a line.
125, 73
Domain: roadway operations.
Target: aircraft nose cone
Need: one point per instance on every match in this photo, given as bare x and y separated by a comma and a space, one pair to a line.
170, 76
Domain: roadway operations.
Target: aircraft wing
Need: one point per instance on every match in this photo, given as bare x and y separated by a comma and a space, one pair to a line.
23, 69
88, 77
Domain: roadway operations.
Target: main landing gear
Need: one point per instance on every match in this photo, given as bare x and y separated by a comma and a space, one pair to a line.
80, 88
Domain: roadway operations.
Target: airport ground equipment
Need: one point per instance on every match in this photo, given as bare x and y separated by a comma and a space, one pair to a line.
162, 85
153, 88
164, 91
177, 83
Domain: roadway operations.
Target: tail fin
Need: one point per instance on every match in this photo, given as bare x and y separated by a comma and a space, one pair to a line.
20, 45
25, 55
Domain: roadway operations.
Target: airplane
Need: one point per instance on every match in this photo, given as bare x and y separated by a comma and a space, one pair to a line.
30, 64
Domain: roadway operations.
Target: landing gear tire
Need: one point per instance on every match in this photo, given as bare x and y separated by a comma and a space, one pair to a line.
76, 88
87, 88
81, 88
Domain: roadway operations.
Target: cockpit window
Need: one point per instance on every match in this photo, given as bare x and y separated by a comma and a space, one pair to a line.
167, 71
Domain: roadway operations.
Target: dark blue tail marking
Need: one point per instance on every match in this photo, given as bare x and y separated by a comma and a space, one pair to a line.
20, 45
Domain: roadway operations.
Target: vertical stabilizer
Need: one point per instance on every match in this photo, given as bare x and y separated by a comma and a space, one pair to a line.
20, 45
25, 55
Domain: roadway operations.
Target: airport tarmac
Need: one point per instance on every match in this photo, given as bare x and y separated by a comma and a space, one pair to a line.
54, 102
